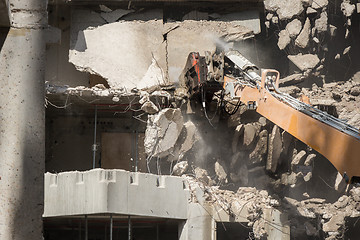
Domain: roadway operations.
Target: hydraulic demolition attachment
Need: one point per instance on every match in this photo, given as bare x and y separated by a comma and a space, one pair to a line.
237, 77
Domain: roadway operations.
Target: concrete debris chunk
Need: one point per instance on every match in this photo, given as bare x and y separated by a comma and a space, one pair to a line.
115, 15
310, 159
202, 176
149, 107
310, 11
298, 160
235, 142
250, 132
257, 155
347, 8
302, 40
294, 28
284, 39
355, 193
290, 179
355, 91
262, 121
192, 136
285, 9
335, 223
287, 139
342, 202
274, 150
162, 132
304, 62
221, 171
275, 20
269, 16
308, 176
321, 24
332, 30
180, 168
346, 50
318, 4
291, 79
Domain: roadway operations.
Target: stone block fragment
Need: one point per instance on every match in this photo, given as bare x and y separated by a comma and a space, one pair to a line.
274, 149
302, 39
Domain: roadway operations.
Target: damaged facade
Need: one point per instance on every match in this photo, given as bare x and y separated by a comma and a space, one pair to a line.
100, 140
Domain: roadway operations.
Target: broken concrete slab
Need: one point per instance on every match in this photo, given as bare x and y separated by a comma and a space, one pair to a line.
239, 130
285, 9
113, 51
310, 11
274, 150
202, 176
149, 107
302, 39
304, 62
257, 155
192, 136
291, 79
250, 132
321, 24
294, 28
335, 223
284, 39
221, 171
318, 4
162, 132
180, 168
347, 8
309, 159
298, 160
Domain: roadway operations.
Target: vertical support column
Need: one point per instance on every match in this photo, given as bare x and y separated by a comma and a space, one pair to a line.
200, 224
22, 122
129, 228
86, 228
111, 226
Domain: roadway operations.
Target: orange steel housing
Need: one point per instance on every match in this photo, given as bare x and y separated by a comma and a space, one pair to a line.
341, 149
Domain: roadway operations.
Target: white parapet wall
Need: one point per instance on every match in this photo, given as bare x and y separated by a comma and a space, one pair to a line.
100, 191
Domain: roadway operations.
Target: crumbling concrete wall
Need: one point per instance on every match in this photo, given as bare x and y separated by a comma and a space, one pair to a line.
138, 50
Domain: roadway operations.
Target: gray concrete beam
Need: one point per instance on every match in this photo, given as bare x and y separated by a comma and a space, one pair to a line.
115, 191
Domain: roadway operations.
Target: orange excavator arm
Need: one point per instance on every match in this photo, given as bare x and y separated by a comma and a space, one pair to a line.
341, 149
331, 137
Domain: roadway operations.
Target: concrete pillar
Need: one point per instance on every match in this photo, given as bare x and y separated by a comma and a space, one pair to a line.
200, 225
277, 224
22, 122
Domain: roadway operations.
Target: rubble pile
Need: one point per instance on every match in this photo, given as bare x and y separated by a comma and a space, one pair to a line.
340, 99
246, 203
320, 218
303, 28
